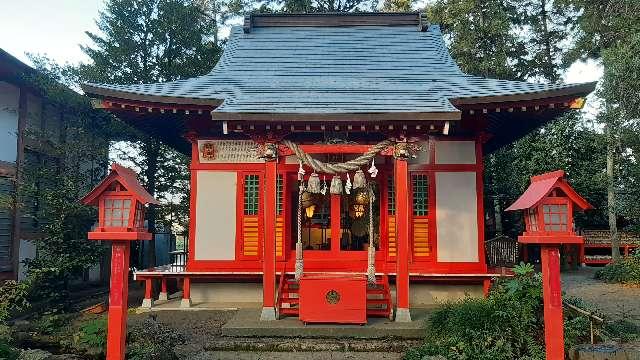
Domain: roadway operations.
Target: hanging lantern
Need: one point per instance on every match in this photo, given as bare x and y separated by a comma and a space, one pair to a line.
359, 180
359, 204
313, 185
309, 202
336, 185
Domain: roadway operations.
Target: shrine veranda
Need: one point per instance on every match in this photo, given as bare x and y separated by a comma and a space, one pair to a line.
333, 87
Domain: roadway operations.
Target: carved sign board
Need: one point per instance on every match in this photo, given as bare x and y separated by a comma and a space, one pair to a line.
228, 151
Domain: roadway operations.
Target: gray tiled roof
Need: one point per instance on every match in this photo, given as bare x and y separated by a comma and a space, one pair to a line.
332, 70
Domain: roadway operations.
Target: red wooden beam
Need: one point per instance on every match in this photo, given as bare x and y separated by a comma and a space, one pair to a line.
552, 296
118, 299
269, 257
402, 238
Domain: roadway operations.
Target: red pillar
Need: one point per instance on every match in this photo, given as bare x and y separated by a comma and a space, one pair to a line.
269, 256
186, 292
147, 302
336, 231
118, 300
163, 296
402, 229
486, 286
552, 294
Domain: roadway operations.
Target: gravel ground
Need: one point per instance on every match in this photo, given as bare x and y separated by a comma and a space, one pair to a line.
322, 355
614, 300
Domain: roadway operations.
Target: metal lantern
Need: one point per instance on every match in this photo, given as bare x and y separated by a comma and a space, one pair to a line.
309, 203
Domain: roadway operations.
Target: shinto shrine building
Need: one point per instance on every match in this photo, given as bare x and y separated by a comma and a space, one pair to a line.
336, 159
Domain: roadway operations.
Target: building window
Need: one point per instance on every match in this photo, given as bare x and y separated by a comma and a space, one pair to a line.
279, 194
116, 212
391, 196
251, 194
419, 186
555, 217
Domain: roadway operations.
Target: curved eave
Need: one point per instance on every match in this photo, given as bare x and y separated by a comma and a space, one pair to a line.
93, 90
577, 90
387, 116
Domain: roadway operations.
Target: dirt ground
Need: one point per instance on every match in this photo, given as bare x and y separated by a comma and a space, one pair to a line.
615, 301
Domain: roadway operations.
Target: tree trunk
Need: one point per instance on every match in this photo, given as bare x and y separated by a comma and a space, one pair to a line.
611, 203
151, 150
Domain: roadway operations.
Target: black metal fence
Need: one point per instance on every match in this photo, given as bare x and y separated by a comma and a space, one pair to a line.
502, 251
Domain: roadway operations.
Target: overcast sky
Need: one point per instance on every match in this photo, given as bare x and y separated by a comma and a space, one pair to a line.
56, 28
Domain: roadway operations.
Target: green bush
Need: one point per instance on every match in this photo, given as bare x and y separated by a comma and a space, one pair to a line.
625, 271
13, 299
622, 330
7, 351
505, 326
92, 334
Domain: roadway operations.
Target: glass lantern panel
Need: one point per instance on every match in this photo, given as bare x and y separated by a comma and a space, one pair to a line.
555, 217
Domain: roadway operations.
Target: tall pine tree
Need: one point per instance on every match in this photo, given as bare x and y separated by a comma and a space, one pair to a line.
147, 41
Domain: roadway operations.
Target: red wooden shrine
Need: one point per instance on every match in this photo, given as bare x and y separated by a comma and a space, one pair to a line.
121, 202
548, 205
290, 92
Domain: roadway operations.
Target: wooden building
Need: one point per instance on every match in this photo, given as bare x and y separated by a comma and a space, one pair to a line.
294, 108
32, 128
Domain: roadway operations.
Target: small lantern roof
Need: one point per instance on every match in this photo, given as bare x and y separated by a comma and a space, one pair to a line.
127, 178
542, 185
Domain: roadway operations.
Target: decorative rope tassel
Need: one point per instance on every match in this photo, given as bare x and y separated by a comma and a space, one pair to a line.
299, 260
371, 267
313, 184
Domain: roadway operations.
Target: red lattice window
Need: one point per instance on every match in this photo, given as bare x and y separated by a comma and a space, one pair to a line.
555, 217
116, 212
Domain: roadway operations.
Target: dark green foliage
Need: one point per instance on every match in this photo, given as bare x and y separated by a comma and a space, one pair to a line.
506, 325
7, 350
625, 271
622, 330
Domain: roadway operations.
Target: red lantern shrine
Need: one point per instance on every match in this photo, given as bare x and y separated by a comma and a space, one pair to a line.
121, 202
548, 205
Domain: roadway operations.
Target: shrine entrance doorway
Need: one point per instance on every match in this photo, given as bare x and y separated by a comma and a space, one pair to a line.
337, 226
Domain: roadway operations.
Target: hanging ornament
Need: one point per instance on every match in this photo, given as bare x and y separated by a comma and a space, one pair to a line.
336, 185
373, 170
313, 184
347, 186
301, 172
359, 180
323, 191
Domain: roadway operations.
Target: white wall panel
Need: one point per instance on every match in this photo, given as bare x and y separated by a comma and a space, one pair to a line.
457, 217
216, 215
455, 152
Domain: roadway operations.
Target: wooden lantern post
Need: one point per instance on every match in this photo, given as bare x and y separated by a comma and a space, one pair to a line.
548, 206
121, 203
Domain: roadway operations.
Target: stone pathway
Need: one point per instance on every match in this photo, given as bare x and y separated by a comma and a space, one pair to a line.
613, 300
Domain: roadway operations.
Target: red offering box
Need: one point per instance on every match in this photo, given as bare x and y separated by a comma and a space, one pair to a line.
333, 298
